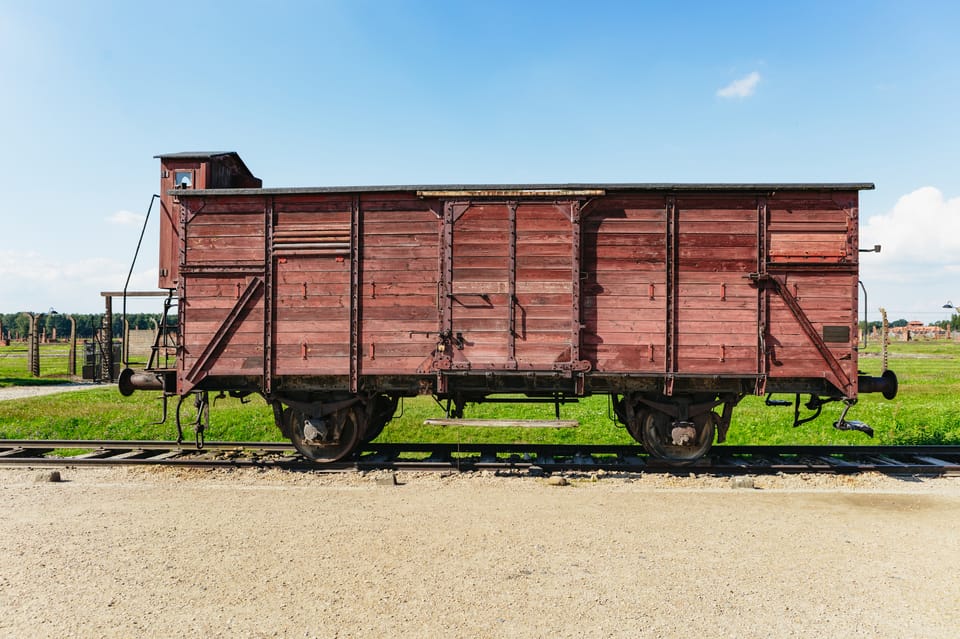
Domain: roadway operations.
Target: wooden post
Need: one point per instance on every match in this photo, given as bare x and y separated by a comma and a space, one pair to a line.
72, 355
107, 341
34, 358
125, 345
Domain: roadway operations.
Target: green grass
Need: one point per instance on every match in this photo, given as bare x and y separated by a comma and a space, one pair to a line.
927, 411
15, 372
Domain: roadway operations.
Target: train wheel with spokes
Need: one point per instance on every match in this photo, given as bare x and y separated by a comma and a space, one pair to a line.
677, 441
323, 439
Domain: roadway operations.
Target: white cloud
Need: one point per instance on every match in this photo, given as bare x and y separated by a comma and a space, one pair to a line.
922, 228
126, 218
919, 265
30, 281
742, 88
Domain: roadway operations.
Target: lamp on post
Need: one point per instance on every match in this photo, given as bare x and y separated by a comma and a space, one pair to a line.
950, 305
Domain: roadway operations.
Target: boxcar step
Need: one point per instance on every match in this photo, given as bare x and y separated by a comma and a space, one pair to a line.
504, 423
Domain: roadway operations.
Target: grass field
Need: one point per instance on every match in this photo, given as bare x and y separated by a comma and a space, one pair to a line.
927, 411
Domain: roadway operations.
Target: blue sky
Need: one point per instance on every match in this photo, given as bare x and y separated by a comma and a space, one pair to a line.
340, 93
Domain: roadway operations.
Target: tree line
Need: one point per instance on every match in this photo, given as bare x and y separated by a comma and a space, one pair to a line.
17, 325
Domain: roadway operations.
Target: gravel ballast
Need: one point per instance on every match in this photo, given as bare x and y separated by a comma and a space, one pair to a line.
163, 552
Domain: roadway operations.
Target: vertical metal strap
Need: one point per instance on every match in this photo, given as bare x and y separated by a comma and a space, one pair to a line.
512, 285
446, 270
577, 260
446, 282
671, 232
355, 294
763, 223
181, 295
269, 296
853, 257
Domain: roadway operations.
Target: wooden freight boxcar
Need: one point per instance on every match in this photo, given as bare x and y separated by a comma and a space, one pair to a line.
676, 299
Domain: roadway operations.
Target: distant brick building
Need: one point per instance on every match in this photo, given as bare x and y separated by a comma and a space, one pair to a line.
917, 330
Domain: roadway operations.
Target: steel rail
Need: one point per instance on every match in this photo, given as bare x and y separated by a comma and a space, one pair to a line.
529, 458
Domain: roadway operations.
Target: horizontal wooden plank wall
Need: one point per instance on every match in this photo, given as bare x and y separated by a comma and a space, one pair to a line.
813, 250
624, 288
543, 317
717, 306
312, 285
399, 303
223, 250
480, 287
402, 295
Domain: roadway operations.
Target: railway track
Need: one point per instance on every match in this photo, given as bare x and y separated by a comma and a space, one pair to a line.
526, 458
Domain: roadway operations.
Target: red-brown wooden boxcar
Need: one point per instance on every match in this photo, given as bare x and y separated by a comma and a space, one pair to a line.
676, 299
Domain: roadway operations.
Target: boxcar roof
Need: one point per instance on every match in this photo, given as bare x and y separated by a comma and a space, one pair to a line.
545, 190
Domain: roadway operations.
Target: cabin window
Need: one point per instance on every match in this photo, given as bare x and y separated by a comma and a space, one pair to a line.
183, 179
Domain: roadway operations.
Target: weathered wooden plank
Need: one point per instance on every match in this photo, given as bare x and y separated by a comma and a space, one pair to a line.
210, 244
239, 227
295, 349
393, 205
222, 255
480, 288
625, 359
372, 242
233, 204
412, 228
625, 254
838, 225
199, 316
289, 312
537, 250
423, 312
233, 365
468, 241
562, 260
620, 326
387, 330
480, 274
623, 304
633, 338
289, 275
313, 365
697, 334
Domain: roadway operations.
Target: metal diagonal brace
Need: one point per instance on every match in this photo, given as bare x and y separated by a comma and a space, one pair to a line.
808, 328
198, 371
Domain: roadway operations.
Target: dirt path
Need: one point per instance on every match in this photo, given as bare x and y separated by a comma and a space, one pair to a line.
121, 553
20, 392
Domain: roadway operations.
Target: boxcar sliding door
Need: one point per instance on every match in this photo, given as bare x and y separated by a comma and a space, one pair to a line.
312, 282
717, 305
511, 270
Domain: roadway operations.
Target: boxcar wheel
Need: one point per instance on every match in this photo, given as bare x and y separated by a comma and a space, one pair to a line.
675, 441
380, 413
326, 439
635, 426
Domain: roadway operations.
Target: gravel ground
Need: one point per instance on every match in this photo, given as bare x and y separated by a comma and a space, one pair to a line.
163, 552
19, 392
